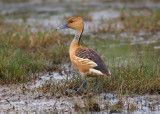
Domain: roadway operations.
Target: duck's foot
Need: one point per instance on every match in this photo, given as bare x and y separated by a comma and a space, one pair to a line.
79, 89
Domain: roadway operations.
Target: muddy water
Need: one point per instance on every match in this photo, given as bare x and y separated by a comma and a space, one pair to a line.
28, 99
142, 104
16, 99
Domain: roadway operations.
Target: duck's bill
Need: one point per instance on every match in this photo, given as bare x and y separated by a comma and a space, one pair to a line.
65, 26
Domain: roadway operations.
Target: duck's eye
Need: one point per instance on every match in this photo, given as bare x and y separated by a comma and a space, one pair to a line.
71, 21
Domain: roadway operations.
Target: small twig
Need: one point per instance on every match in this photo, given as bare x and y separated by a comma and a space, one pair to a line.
10, 103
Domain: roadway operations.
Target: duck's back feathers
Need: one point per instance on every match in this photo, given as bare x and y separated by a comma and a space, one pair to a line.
86, 53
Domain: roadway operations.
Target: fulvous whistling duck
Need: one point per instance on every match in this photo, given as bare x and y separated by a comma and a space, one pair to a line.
88, 62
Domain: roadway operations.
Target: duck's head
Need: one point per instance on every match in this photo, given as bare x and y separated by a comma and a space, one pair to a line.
75, 23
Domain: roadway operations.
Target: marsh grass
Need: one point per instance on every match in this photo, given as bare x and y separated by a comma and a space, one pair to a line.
23, 53
148, 21
85, 14
134, 68
124, 80
129, 21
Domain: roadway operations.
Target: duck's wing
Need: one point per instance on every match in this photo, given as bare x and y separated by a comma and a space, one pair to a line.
87, 53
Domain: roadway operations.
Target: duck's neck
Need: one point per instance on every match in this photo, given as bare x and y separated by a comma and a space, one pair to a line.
78, 35
76, 41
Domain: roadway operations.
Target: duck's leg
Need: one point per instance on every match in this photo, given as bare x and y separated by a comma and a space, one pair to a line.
95, 84
83, 84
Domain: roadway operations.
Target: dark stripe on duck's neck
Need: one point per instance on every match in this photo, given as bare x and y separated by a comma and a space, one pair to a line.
78, 36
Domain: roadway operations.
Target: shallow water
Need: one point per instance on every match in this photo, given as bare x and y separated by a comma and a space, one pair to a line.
104, 15
143, 104
156, 47
13, 100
